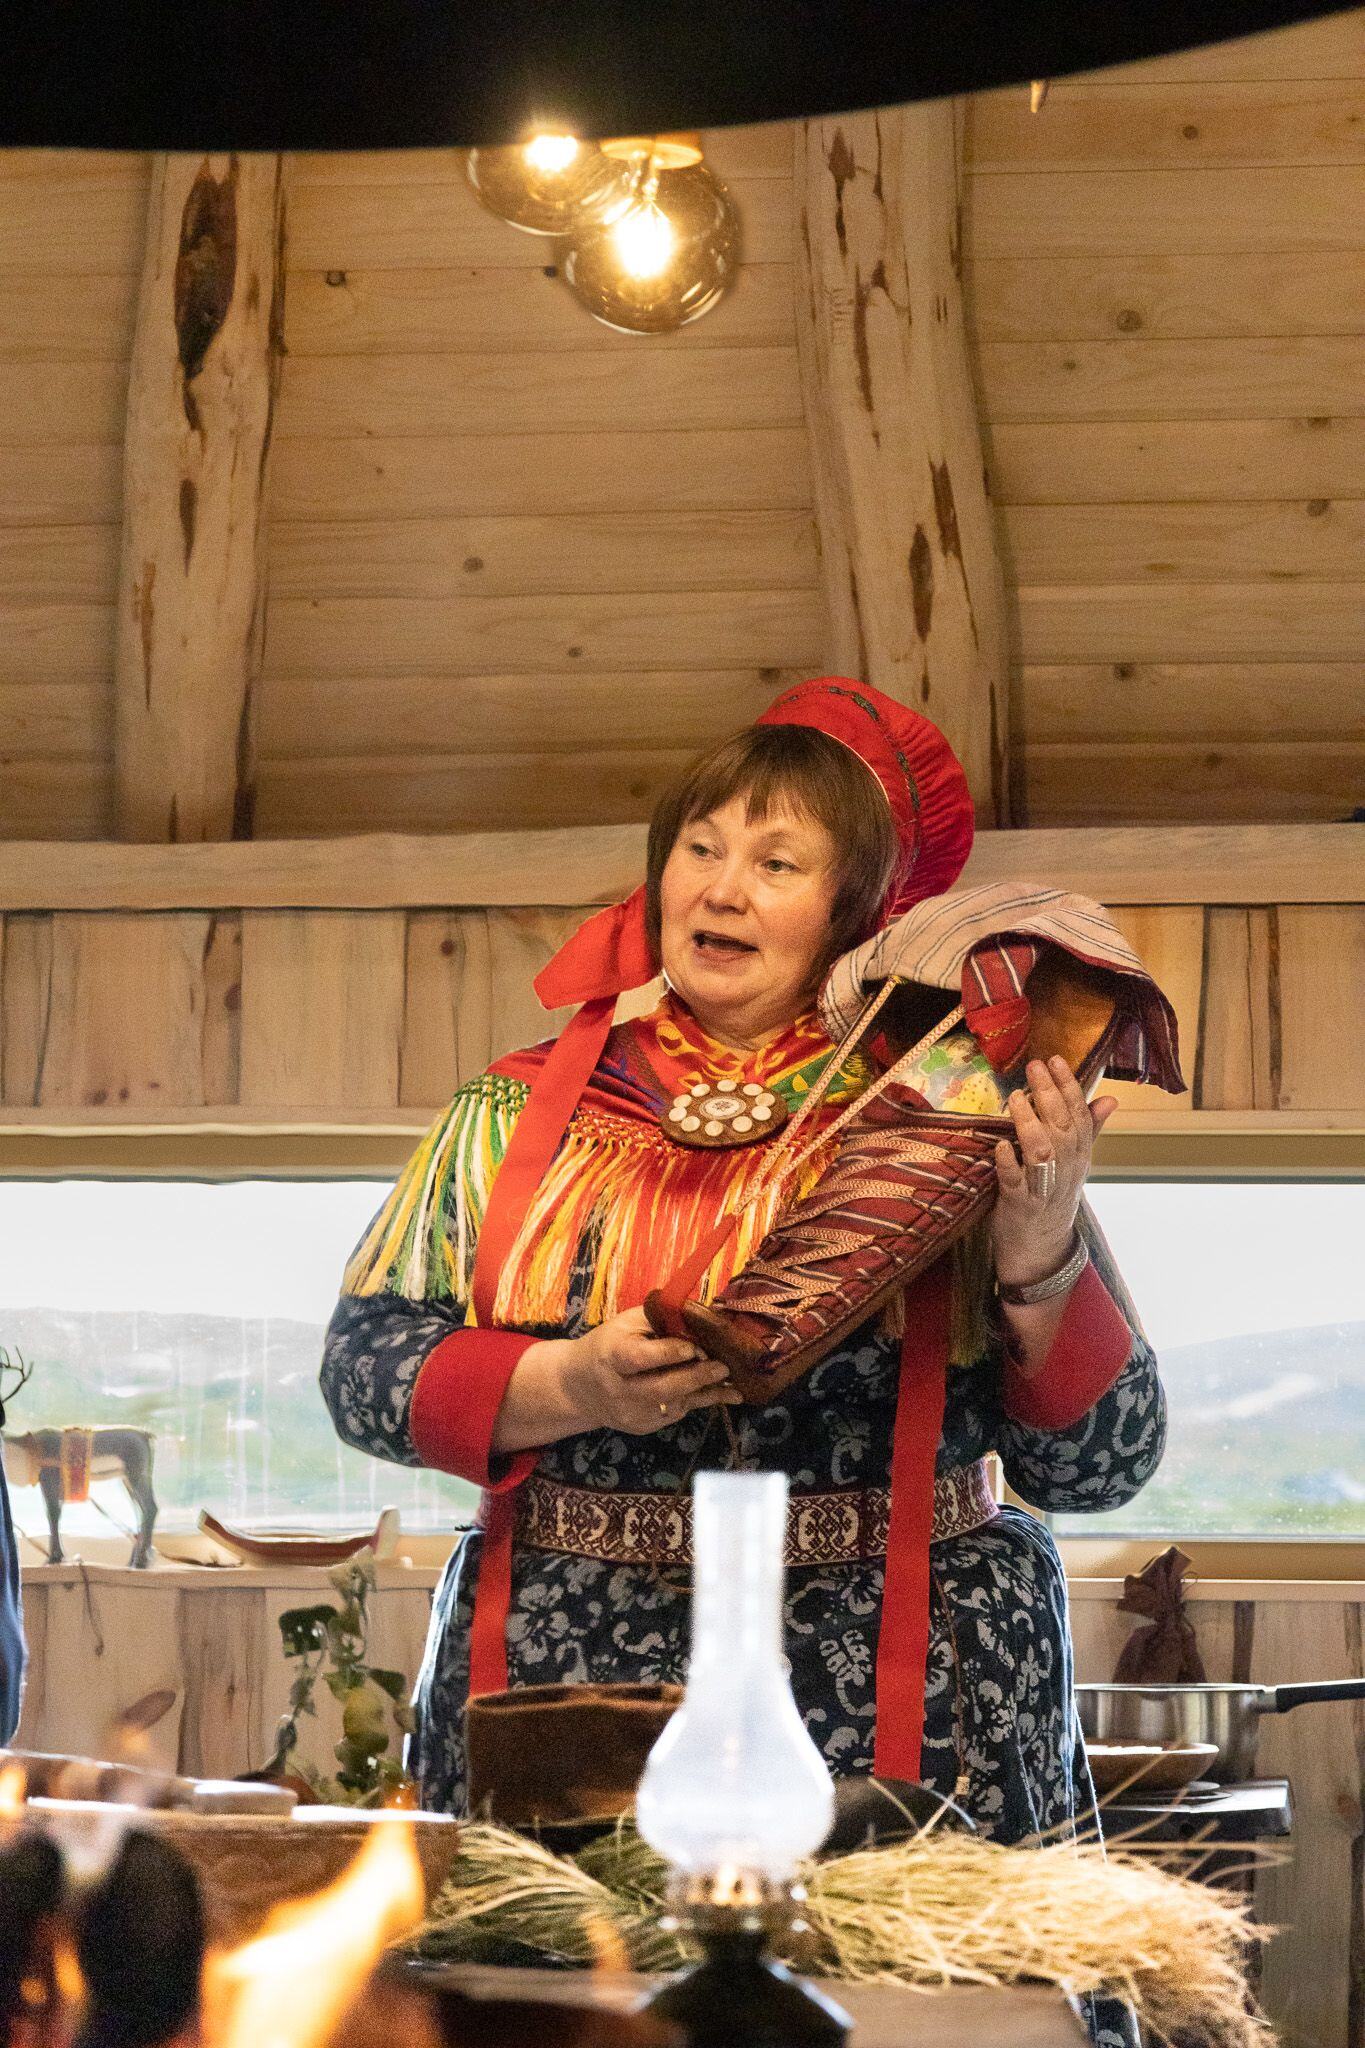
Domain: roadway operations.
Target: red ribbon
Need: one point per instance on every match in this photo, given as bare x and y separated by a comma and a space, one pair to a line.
903, 1644
534, 1143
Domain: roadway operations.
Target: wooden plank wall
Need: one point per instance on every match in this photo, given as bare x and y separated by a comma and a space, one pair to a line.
351, 1013
1168, 290
71, 231
521, 565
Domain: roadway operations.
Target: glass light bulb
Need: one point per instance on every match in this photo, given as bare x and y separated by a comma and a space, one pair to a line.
550, 184
664, 261
551, 154
735, 1784
644, 241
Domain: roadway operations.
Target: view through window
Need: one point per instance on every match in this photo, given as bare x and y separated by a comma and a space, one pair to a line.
1253, 1295
196, 1310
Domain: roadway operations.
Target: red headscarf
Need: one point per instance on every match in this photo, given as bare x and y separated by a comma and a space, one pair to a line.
931, 808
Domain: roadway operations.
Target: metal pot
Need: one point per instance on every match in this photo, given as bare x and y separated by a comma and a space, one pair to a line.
1228, 1715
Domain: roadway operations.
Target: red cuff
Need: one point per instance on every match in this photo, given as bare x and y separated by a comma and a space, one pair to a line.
455, 1402
1092, 1345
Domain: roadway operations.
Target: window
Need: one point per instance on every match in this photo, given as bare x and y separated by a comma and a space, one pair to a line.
1253, 1295
196, 1310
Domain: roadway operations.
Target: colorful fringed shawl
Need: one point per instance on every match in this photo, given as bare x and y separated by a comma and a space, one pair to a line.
622, 1205
621, 1200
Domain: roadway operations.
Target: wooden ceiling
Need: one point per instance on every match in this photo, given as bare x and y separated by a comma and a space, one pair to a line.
520, 566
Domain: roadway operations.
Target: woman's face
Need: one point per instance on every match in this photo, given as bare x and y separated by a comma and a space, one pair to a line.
745, 919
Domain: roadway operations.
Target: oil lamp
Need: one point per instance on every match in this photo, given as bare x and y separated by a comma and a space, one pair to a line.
735, 1794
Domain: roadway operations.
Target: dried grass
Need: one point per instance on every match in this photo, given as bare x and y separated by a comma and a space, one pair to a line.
941, 1909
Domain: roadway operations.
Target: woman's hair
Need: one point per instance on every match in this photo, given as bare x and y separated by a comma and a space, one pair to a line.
792, 768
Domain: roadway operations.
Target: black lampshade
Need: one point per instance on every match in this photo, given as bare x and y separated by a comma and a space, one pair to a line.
367, 74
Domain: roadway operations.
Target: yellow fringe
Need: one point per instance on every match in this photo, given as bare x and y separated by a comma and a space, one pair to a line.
422, 1242
640, 1206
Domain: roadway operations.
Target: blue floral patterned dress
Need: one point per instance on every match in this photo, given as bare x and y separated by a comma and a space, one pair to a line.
1000, 1727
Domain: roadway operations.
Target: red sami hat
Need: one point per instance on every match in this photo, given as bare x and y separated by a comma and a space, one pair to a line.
931, 807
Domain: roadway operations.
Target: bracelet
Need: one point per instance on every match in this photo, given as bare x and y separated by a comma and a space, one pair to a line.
1054, 1283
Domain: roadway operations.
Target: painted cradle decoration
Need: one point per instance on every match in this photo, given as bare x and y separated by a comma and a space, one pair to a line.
961, 992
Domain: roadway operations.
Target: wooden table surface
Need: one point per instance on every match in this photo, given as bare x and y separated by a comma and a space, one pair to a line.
884, 2015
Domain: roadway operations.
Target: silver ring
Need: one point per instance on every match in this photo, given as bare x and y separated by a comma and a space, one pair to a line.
1041, 1175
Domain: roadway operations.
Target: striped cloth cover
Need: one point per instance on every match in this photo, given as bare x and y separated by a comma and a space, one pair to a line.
985, 943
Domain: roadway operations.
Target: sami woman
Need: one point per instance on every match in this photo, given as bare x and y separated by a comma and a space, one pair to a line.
492, 1327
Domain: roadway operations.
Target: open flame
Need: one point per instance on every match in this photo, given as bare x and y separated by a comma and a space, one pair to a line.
13, 1791
290, 1985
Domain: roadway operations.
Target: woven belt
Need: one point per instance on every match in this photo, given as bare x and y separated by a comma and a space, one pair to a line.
656, 1528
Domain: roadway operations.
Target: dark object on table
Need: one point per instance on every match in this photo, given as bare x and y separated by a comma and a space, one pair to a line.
1227, 1715
62, 1462
1167, 1651
551, 1756
346, 74
474, 2009
140, 1942
32, 1887
737, 1993
871, 1813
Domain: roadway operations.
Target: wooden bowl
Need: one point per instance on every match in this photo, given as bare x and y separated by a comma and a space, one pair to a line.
247, 1862
1148, 1767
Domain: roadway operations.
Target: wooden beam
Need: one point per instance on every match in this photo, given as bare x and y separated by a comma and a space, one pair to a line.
912, 573
228, 1143
201, 401
601, 864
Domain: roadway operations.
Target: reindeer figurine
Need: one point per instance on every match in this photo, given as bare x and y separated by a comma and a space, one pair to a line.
62, 1463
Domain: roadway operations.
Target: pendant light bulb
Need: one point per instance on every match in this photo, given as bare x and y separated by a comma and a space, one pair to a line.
549, 184
644, 242
664, 260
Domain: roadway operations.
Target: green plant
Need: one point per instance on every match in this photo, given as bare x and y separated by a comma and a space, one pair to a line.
329, 1642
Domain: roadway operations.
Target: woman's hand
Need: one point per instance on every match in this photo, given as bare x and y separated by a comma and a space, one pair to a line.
617, 1376
621, 1376
1032, 1234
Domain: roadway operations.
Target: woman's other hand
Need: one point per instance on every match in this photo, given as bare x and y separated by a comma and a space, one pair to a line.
1032, 1233
617, 1376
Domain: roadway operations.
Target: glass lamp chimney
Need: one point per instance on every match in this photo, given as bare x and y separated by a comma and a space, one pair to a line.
735, 1786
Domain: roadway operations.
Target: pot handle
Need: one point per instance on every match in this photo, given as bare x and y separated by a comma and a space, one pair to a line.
1279, 1699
